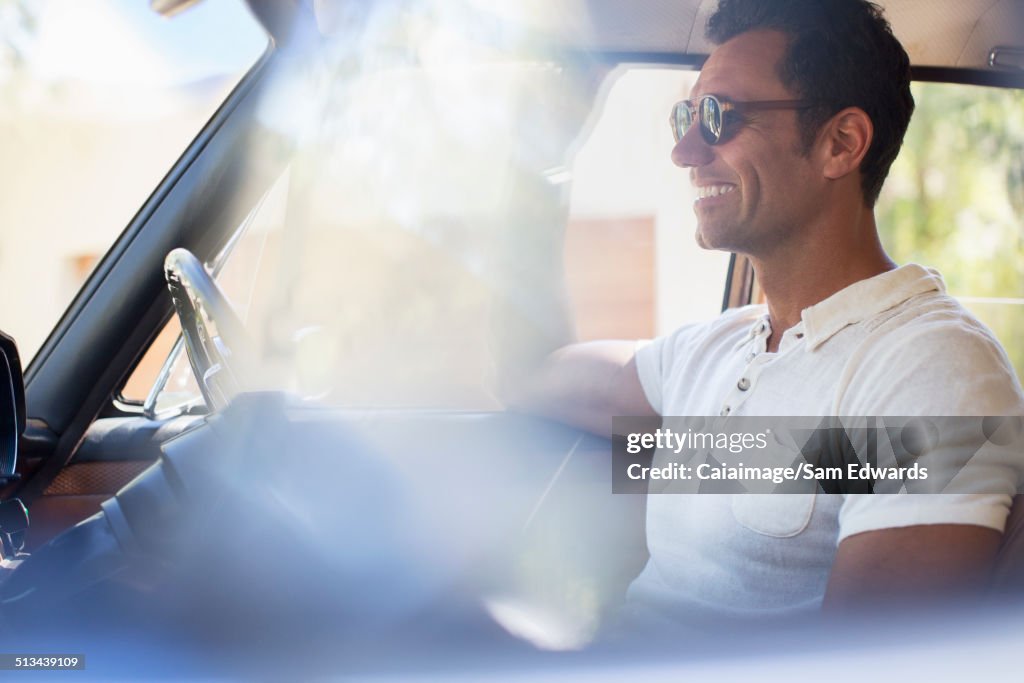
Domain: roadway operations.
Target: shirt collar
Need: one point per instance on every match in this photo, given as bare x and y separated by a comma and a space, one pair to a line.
865, 299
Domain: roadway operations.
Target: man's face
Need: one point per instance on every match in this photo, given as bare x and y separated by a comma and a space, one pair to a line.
770, 185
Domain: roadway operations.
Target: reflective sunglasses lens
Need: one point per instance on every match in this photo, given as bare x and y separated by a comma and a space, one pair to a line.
681, 120
710, 120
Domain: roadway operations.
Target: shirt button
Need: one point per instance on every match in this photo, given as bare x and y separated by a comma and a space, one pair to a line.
751, 356
743, 384
725, 411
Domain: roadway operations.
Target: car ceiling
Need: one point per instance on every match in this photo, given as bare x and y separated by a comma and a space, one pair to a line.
944, 33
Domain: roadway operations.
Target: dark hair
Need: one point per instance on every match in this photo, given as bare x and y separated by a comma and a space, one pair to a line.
841, 53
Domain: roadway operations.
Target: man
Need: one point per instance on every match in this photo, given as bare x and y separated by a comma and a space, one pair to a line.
788, 135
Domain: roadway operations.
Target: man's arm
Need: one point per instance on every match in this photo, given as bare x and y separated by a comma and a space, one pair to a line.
915, 564
949, 366
583, 385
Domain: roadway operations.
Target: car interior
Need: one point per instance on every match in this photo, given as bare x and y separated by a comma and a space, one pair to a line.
287, 489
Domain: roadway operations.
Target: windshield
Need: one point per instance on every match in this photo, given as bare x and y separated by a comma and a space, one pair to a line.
98, 98
443, 221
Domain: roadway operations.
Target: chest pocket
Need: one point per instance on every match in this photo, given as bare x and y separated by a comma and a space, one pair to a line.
780, 515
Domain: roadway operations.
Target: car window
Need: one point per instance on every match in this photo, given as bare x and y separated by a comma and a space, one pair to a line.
954, 200
98, 98
246, 267
635, 270
630, 264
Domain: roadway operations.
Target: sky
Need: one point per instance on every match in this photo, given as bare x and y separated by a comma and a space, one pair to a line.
124, 42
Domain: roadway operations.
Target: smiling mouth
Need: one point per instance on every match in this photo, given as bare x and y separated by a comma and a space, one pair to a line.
709, 191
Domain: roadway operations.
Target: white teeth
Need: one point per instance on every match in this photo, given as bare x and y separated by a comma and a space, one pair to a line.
713, 190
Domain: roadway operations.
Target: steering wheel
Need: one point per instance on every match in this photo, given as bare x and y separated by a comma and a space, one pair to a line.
215, 337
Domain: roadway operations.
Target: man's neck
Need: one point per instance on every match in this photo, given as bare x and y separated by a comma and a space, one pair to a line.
796, 278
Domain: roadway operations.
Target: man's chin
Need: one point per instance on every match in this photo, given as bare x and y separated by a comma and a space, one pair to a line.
712, 240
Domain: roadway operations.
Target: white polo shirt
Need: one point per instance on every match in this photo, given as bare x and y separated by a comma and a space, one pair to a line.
895, 344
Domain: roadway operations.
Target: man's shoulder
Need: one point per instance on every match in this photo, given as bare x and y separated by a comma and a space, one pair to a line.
742, 314
732, 320
932, 355
703, 340
934, 320
735, 320
732, 325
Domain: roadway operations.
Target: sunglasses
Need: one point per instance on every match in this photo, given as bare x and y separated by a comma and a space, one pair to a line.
713, 113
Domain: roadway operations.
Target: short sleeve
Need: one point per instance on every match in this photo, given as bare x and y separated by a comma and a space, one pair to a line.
945, 364
867, 512
649, 363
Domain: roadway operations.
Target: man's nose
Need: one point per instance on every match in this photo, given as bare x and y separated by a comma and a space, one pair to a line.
691, 150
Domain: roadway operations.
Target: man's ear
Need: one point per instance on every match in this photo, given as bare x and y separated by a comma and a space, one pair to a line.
844, 142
